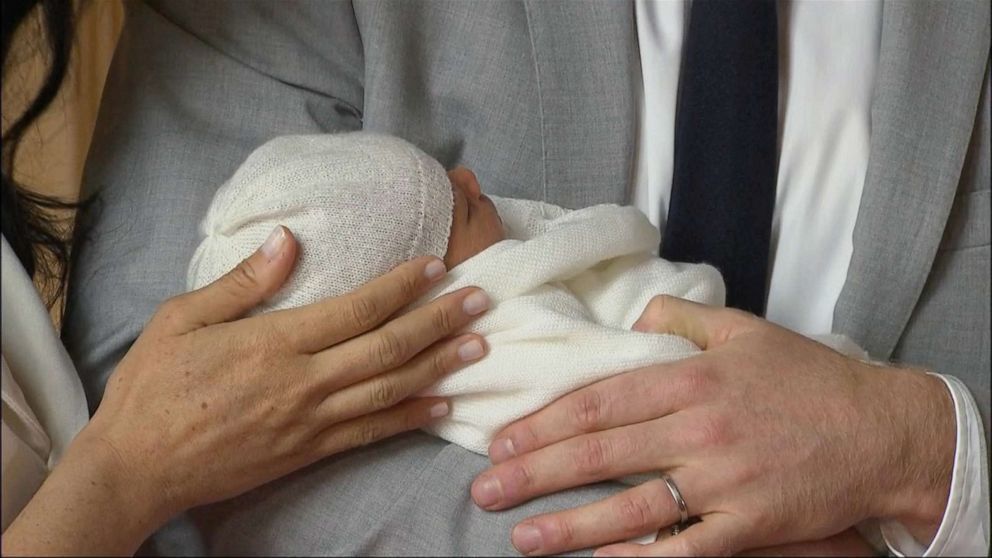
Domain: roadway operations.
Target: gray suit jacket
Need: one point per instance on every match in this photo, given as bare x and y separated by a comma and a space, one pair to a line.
538, 98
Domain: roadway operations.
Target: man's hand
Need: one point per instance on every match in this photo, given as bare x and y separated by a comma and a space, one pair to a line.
771, 438
848, 543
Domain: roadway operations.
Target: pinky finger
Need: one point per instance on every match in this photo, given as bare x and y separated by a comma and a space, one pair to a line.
364, 430
718, 534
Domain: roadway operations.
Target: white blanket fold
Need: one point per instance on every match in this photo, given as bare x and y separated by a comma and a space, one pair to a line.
566, 287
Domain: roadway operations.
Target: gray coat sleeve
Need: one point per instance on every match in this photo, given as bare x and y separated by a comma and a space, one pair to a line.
193, 88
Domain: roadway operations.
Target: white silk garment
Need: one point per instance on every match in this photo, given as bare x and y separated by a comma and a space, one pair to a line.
43, 402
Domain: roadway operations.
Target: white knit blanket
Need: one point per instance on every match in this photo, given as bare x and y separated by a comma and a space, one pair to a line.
566, 287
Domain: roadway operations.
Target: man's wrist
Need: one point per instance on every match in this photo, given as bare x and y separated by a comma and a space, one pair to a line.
920, 450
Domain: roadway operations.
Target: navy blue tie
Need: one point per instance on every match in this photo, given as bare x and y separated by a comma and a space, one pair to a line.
723, 185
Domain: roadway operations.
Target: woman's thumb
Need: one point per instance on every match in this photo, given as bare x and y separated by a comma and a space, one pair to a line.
255, 279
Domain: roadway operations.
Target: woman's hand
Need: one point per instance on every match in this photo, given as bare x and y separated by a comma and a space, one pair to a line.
770, 437
206, 406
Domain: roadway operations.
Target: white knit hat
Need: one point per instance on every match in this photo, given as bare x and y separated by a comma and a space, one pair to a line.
358, 203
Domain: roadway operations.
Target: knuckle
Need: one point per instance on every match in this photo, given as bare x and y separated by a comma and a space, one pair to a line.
522, 477
367, 432
564, 532
383, 394
589, 410
244, 277
172, 309
740, 316
412, 419
409, 287
695, 381
654, 313
710, 430
267, 338
746, 472
765, 516
324, 444
363, 311
295, 443
659, 302
592, 456
173, 305
439, 364
524, 435
388, 350
734, 319
441, 320
636, 513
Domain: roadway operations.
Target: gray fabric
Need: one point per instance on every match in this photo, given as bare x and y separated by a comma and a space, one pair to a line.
949, 327
406, 496
903, 299
538, 98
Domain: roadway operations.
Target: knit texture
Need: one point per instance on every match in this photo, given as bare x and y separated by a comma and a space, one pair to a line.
359, 204
566, 287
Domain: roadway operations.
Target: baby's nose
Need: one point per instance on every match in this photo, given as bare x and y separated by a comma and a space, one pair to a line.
472, 186
465, 179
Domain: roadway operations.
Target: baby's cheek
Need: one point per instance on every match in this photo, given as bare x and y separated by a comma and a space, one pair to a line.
495, 234
496, 224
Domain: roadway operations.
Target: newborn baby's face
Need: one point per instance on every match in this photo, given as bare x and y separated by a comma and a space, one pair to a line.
475, 224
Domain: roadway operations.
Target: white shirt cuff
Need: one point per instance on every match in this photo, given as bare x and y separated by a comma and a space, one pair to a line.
964, 530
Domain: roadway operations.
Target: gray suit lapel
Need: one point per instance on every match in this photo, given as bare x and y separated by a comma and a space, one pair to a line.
932, 62
587, 66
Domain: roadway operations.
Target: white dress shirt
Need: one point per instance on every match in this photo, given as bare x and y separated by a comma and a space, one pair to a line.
828, 58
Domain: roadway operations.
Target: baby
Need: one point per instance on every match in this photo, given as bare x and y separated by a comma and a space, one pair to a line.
566, 286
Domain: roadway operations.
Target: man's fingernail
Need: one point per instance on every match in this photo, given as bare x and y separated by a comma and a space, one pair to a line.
475, 303
501, 450
488, 492
273, 245
526, 538
435, 270
470, 351
603, 552
439, 410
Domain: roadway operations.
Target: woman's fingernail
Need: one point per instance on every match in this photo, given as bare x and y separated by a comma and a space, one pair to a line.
501, 450
439, 410
487, 492
470, 351
435, 270
605, 551
526, 538
273, 245
475, 303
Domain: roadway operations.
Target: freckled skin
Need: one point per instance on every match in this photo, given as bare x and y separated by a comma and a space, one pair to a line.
475, 224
